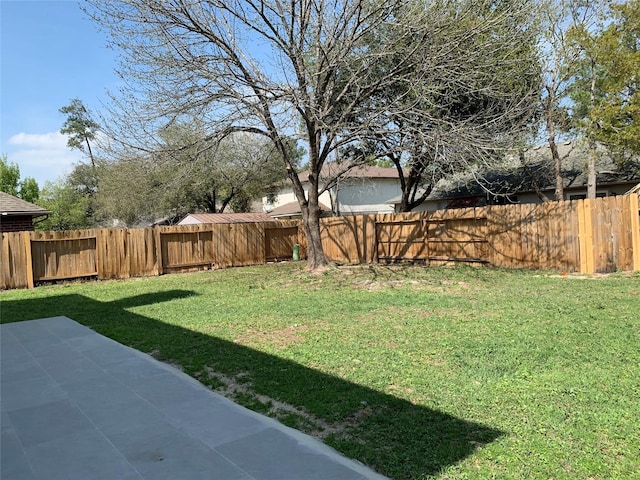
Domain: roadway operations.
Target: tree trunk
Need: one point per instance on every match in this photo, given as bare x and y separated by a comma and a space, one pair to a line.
410, 186
549, 109
316, 259
93, 161
591, 172
557, 161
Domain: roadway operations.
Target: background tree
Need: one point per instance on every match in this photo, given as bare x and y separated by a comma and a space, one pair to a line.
190, 174
561, 61
131, 192
9, 176
471, 96
272, 67
80, 128
606, 92
68, 207
27, 189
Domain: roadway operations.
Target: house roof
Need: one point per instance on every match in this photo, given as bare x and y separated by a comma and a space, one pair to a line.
633, 190
225, 218
347, 170
10, 205
293, 208
515, 176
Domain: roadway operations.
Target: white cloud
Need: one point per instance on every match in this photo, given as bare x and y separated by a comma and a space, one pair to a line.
43, 156
53, 140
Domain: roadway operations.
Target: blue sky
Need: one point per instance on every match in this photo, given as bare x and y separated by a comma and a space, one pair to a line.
49, 53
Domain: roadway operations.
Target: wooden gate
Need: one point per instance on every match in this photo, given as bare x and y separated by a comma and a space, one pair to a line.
402, 240
438, 237
279, 243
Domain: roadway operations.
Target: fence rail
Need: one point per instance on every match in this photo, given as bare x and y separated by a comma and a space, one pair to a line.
600, 235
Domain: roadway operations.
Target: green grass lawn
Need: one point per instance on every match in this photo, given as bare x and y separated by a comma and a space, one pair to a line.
448, 373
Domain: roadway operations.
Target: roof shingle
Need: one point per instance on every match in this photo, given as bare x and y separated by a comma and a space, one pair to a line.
10, 205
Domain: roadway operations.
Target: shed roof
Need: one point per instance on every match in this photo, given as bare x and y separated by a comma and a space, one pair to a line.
10, 205
293, 208
225, 218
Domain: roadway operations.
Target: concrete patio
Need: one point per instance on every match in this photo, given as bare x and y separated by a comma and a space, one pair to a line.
77, 405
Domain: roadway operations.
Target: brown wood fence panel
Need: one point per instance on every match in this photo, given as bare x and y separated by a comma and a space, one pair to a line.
503, 235
279, 242
63, 255
187, 247
249, 241
111, 253
349, 239
457, 235
141, 252
612, 238
14, 261
402, 237
225, 248
534, 236
559, 231
634, 227
302, 238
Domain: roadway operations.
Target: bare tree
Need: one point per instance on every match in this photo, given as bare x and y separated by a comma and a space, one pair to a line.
189, 175
472, 97
273, 68
561, 58
276, 68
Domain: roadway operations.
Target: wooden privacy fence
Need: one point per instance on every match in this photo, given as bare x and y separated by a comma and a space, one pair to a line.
29, 258
601, 235
588, 236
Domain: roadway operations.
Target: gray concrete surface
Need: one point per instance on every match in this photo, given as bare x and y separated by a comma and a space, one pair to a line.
77, 405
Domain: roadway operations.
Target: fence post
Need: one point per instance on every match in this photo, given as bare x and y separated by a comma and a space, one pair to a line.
158, 250
26, 238
585, 235
635, 229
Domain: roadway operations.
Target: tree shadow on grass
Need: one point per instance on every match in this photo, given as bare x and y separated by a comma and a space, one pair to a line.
393, 436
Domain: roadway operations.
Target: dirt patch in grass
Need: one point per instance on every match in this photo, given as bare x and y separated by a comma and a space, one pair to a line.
239, 390
158, 356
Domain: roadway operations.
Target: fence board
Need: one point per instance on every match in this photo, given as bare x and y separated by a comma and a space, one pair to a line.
634, 227
457, 235
249, 239
224, 245
612, 237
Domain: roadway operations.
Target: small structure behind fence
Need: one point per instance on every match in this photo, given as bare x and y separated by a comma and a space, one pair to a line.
588, 236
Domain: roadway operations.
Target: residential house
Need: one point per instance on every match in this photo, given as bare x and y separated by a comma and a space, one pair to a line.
357, 190
17, 215
524, 179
